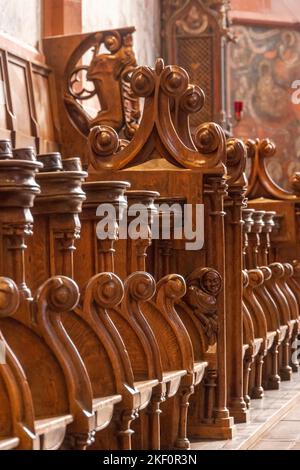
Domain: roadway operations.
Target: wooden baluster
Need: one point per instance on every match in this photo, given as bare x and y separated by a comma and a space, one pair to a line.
137, 249
18, 173
101, 193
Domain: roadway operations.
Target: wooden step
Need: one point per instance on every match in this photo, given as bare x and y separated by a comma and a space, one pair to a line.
9, 443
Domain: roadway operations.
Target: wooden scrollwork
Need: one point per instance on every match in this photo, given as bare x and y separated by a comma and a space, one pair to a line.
160, 87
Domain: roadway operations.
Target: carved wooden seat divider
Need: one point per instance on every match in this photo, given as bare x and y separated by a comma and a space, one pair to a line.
158, 155
283, 252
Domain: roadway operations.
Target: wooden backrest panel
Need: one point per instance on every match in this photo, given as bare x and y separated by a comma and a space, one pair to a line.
28, 103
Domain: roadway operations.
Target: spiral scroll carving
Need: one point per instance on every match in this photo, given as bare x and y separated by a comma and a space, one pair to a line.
107, 289
256, 277
192, 100
207, 137
9, 297
266, 148
266, 272
295, 183
60, 293
143, 81
236, 153
208, 279
289, 270
296, 267
250, 147
174, 286
174, 80
103, 140
277, 270
140, 285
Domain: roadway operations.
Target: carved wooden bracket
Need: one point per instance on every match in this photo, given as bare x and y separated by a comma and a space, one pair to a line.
260, 182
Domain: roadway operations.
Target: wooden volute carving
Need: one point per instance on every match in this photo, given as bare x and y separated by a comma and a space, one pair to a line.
17, 426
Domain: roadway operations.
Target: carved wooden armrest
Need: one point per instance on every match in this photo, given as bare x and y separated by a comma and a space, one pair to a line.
18, 430
256, 279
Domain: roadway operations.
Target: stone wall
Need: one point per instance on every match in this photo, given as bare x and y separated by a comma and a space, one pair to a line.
143, 14
21, 19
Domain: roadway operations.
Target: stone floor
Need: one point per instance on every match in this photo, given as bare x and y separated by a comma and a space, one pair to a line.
274, 423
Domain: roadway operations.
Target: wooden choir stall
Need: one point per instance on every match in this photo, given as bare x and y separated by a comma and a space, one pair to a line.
147, 342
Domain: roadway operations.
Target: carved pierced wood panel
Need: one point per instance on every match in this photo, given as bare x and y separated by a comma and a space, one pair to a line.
200, 70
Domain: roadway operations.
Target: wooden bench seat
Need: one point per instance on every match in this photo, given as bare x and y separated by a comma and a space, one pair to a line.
9, 443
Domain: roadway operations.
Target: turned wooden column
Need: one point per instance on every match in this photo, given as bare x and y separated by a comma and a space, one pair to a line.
254, 239
112, 194
136, 250
165, 257
234, 202
215, 191
18, 189
247, 215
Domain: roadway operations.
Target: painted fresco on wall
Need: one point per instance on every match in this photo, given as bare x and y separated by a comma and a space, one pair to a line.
263, 65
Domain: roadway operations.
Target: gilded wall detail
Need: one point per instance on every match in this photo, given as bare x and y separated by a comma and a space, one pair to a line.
263, 65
